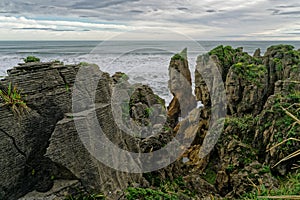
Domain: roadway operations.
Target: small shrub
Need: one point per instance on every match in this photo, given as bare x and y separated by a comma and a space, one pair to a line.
288, 189
177, 57
167, 190
31, 59
12, 98
84, 64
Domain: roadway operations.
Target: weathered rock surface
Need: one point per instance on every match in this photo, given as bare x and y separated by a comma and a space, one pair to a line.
59, 191
44, 142
51, 149
261, 92
180, 86
26, 138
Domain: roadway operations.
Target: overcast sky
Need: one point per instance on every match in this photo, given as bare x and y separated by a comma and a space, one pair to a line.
138, 19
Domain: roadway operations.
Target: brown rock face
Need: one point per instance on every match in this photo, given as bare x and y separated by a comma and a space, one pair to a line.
180, 86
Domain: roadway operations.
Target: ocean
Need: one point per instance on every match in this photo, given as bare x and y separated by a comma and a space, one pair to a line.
143, 61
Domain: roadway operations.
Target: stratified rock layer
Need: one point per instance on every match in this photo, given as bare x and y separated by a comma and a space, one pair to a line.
180, 86
262, 95
44, 144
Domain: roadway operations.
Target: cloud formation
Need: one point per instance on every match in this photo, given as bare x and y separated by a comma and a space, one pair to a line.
206, 19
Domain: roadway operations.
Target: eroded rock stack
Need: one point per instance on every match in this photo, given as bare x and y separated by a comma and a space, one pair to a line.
53, 146
180, 86
261, 92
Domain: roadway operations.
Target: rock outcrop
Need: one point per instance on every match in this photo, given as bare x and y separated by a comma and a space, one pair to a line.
263, 95
43, 144
59, 144
180, 86
26, 139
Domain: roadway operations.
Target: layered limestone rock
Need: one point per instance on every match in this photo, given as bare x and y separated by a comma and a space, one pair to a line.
180, 86
43, 144
263, 98
26, 138
54, 147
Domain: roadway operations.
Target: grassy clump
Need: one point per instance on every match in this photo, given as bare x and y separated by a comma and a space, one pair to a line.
177, 56
84, 64
30, 59
167, 190
287, 126
148, 194
250, 72
243, 127
288, 189
224, 54
210, 175
12, 97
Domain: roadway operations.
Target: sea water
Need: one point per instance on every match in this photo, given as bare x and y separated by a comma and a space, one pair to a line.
143, 61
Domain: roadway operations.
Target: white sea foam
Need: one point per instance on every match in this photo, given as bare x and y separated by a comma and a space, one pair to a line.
144, 62
146, 69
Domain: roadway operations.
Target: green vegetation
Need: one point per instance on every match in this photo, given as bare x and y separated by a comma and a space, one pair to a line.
278, 64
178, 57
124, 77
125, 106
148, 194
224, 54
265, 169
242, 123
161, 101
167, 128
230, 168
242, 127
58, 62
67, 87
210, 175
12, 97
82, 195
167, 190
148, 112
250, 72
84, 64
287, 107
282, 47
31, 59
288, 188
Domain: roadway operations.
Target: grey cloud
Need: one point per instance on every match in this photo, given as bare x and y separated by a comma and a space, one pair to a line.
233, 36
136, 11
274, 11
10, 12
182, 8
290, 13
294, 33
211, 11
215, 15
45, 29
288, 6
91, 4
